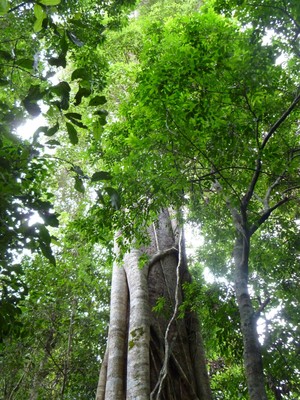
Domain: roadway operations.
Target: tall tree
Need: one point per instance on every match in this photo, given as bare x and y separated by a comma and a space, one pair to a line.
203, 118
201, 112
153, 354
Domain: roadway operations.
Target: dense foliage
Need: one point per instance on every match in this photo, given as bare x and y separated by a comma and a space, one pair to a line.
172, 104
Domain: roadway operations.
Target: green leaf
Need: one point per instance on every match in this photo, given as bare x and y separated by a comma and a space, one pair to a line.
44, 234
64, 45
34, 93
101, 176
82, 92
40, 129
50, 2
47, 252
73, 136
77, 123
72, 116
32, 108
98, 100
53, 130
100, 197
79, 186
114, 197
59, 61
50, 219
5, 55
77, 170
4, 7
38, 25
25, 63
63, 90
102, 114
40, 16
53, 143
79, 73
39, 13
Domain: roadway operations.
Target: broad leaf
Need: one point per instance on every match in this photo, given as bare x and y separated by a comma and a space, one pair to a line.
79, 186
50, 2
72, 116
47, 252
32, 108
44, 234
80, 73
100, 176
97, 101
53, 143
25, 63
40, 16
50, 219
73, 136
59, 61
82, 92
53, 130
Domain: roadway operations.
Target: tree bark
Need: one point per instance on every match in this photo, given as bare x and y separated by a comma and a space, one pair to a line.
159, 356
252, 352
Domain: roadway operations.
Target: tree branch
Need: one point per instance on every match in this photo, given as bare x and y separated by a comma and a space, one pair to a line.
280, 121
269, 190
255, 176
266, 215
276, 125
262, 306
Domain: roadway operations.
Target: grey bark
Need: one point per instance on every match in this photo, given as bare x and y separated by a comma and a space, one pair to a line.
163, 356
252, 352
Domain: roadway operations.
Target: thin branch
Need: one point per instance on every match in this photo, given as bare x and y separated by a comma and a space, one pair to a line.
14, 66
277, 124
262, 306
283, 10
266, 215
280, 121
201, 152
269, 190
290, 189
250, 191
16, 388
18, 6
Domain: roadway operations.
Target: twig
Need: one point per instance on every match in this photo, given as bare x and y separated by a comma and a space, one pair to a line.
262, 306
280, 121
269, 190
266, 215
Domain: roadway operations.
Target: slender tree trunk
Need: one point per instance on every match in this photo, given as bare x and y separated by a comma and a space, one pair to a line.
42, 372
153, 355
252, 352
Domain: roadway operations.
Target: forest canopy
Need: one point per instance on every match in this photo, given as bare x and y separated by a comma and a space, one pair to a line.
155, 118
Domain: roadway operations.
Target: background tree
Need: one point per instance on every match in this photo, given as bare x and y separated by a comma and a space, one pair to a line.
201, 116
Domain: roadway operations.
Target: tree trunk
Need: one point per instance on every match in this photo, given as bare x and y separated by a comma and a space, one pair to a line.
153, 355
252, 352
